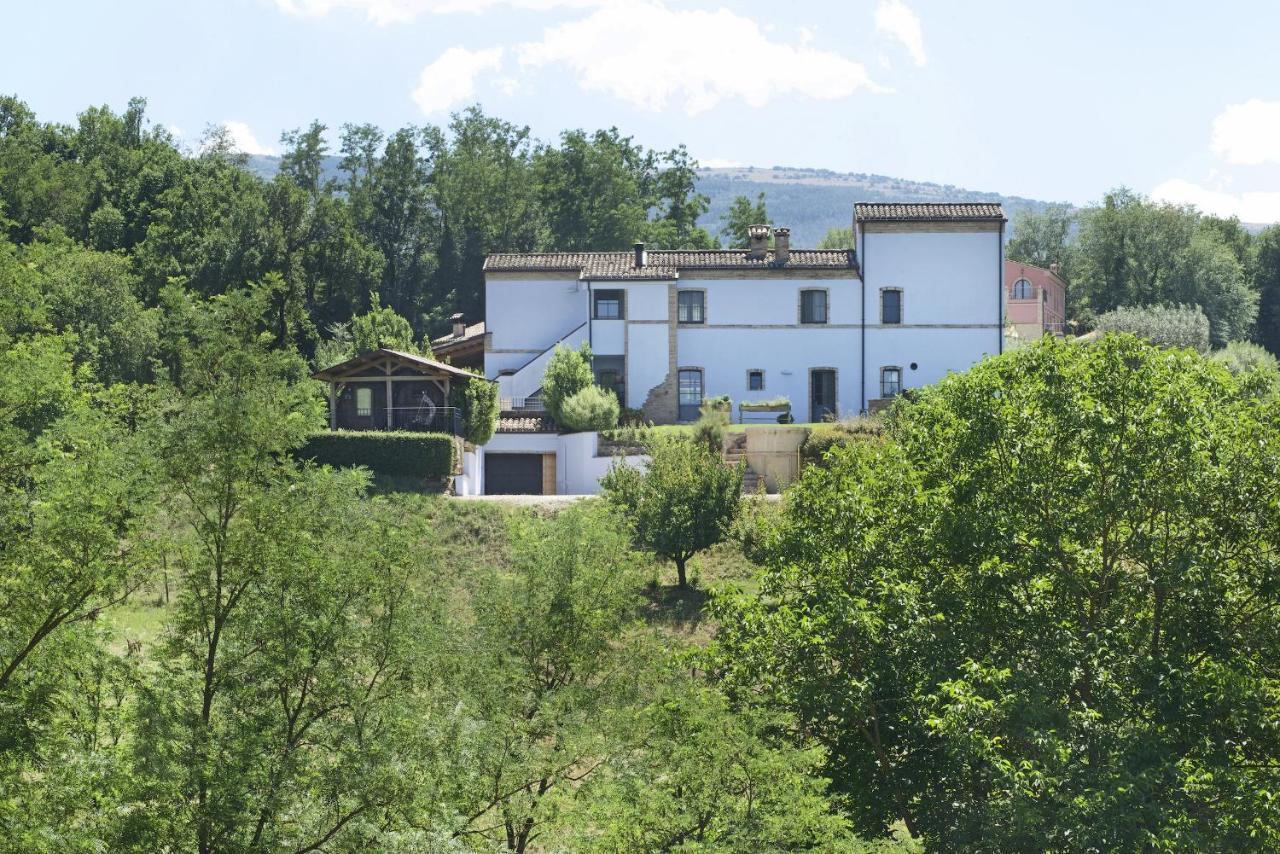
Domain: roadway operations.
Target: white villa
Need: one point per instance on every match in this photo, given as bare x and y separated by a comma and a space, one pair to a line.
837, 332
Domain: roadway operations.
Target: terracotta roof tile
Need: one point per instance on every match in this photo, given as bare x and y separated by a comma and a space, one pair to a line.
663, 263
927, 211
511, 422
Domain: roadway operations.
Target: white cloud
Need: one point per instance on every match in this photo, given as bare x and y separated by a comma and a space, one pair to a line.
383, 12
648, 55
451, 79
244, 140
895, 19
1262, 207
1248, 133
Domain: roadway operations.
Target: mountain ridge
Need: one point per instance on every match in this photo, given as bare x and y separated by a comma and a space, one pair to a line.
807, 200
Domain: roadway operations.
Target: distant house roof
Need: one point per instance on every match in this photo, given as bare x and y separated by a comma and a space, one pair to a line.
350, 366
928, 212
662, 264
471, 333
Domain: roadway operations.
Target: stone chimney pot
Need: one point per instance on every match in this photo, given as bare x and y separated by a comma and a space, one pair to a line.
459, 325
782, 244
757, 242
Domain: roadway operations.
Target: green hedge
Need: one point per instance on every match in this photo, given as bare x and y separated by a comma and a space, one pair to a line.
398, 452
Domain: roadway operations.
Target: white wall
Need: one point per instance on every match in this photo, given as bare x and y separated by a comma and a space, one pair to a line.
578, 469
645, 300
526, 316
773, 301
785, 355
952, 298
608, 337
646, 361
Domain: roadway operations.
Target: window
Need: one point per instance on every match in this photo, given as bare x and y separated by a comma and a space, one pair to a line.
690, 386
691, 307
890, 306
364, 401
1022, 289
813, 306
890, 382
755, 380
609, 305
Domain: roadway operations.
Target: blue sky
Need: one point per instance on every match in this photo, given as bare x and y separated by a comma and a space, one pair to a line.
1055, 100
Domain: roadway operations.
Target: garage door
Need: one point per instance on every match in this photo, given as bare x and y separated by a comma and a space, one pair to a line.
513, 474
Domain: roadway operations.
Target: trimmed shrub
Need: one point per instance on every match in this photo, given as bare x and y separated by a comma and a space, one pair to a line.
420, 455
839, 435
1241, 357
1162, 325
568, 372
592, 408
478, 402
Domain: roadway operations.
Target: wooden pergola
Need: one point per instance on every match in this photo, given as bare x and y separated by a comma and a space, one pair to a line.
393, 376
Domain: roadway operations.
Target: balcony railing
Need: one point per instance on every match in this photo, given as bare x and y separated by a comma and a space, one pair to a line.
521, 404
427, 419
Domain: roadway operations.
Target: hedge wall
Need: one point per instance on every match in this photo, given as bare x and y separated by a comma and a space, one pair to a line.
421, 455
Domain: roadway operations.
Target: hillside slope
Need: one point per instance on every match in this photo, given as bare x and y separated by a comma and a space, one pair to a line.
809, 201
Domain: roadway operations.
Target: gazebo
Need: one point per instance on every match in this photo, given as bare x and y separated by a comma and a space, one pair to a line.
390, 390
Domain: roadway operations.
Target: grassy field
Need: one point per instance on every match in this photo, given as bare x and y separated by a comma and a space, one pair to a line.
467, 538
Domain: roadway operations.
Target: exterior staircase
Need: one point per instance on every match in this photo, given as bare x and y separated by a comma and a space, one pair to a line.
735, 452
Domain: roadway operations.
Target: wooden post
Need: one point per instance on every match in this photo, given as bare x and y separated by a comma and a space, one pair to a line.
333, 406
390, 414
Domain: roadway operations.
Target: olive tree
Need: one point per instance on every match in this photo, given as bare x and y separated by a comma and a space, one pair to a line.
1043, 616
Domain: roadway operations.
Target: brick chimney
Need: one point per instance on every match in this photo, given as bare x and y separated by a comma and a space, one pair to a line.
782, 244
459, 325
640, 256
757, 242
1053, 268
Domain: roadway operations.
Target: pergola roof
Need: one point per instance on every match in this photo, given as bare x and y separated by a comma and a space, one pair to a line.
351, 367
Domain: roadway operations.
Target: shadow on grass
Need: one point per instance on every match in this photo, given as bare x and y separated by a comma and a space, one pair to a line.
678, 608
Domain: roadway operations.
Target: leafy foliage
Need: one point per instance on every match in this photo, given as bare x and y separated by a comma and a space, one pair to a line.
568, 372
683, 502
1040, 616
1241, 357
1167, 326
478, 400
590, 408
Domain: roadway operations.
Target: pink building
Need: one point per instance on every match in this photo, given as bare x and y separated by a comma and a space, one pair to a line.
1035, 299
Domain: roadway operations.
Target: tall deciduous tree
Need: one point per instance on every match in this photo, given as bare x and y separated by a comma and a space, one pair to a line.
1043, 613
743, 214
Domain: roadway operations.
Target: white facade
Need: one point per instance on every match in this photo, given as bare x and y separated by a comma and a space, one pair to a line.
921, 295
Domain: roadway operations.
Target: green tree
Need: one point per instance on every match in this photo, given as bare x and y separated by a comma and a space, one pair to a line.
1267, 279
837, 238
1241, 357
742, 214
478, 401
1043, 238
684, 501
1165, 325
381, 327
1039, 616
567, 373
552, 666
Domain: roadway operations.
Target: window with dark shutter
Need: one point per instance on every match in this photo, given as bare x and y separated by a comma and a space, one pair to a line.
813, 306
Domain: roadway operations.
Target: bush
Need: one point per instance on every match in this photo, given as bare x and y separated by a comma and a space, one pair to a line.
849, 431
592, 408
421, 455
568, 372
478, 401
1163, 325
710, 427
1241, 357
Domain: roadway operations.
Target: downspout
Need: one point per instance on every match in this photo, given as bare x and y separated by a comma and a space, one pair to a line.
862, 360
1000, 292
591, 313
